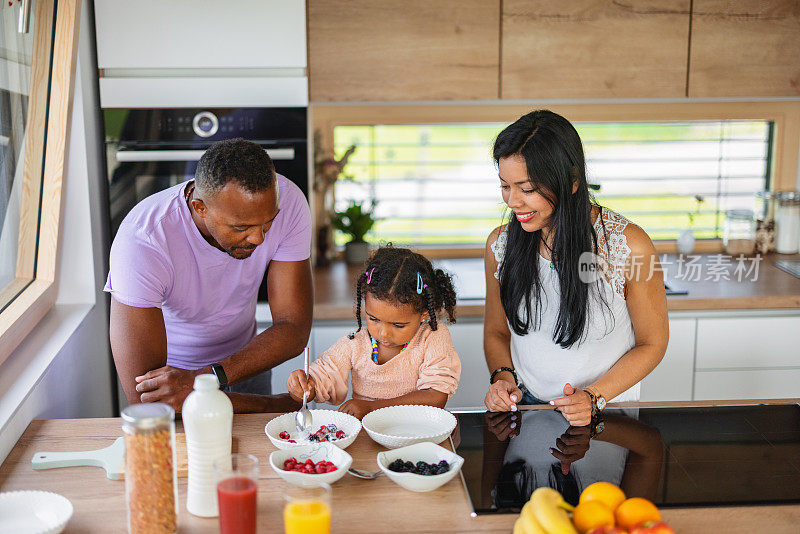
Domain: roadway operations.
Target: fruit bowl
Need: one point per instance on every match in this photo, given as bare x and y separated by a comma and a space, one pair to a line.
286, 423
425, 452
315, 452
398, 426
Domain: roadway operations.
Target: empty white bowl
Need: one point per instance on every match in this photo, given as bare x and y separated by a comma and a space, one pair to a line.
398, 426
34, 512
286, 423
315, 452
425, 452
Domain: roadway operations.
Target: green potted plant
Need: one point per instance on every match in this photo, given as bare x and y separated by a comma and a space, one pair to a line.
355, 221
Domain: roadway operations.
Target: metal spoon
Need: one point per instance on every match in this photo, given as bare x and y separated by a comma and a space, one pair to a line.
303, 416
364, 474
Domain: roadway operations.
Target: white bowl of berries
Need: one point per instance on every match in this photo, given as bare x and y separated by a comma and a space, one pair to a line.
420, 467
329, 426
310, 464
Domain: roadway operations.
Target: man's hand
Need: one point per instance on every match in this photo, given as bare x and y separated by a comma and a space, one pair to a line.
169, 385
502, 396
299, 383
575, 406
504, 425
572, 446
357, 408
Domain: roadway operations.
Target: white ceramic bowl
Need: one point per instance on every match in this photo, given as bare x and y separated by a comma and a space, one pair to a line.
286, 423
316, 452
33, 512
398, 426
425, 452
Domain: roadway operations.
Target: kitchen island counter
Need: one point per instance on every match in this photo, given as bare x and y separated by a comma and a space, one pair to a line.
359, 506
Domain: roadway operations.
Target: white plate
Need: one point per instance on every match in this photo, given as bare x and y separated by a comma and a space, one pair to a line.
425, 452
33, 512
316, 452
286, 422
398, 426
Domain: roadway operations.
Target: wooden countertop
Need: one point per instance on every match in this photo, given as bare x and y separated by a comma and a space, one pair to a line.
772, 288
359, 506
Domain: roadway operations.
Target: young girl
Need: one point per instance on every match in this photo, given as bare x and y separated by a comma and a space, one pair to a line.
405, 355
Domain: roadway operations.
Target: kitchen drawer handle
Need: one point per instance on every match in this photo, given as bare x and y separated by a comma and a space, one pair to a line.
189, 155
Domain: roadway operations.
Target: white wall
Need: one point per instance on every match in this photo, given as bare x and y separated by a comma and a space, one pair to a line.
63, 368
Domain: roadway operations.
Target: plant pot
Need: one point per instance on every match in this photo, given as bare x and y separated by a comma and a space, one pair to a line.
686, 242
356, 252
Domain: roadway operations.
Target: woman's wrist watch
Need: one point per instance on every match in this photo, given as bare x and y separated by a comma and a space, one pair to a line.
598, 401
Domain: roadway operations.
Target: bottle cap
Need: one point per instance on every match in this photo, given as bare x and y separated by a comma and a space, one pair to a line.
206, 382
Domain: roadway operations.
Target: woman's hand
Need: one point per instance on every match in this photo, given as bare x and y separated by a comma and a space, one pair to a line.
502, 396
572, 446
575, 406
298, 383
358, 408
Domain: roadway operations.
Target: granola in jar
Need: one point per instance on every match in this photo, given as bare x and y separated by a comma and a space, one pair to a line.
150, 475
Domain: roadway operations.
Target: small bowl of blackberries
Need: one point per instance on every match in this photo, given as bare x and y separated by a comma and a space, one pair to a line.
420, 467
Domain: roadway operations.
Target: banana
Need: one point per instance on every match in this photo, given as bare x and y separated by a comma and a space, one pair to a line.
550, 510
527, 523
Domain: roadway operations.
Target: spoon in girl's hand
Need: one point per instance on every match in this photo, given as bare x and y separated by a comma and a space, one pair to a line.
302, 418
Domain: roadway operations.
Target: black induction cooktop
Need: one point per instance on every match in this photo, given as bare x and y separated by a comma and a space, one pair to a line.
676, 457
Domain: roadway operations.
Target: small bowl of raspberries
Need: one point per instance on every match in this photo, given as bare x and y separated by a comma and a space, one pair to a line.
310, 464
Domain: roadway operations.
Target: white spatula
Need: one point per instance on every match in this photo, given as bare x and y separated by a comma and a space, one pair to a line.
109, 458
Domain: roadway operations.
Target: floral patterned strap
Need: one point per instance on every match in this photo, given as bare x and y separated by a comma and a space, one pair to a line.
612, 246
499, 249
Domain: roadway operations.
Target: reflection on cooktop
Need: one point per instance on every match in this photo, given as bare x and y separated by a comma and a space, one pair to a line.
675, 457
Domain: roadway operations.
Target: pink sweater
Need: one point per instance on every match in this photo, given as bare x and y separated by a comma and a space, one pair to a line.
429, 362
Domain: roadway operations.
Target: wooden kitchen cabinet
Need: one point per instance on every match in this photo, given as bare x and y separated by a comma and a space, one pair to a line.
377, 50
594, 49
745, 48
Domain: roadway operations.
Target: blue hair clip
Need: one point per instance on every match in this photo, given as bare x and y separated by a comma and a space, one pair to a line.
420, 285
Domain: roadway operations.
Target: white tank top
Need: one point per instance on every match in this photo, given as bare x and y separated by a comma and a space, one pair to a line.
544, 366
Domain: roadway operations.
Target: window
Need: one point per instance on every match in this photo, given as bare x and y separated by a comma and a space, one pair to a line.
436, 184
36, 70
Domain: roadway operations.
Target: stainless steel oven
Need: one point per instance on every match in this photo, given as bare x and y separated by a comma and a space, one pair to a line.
148, 150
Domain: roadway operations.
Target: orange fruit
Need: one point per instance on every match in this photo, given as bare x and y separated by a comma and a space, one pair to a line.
592, 514
605, 492
634, 511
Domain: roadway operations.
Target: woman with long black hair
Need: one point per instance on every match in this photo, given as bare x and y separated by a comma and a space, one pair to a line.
576, 312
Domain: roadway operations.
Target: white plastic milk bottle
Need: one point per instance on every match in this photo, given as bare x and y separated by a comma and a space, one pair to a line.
208, 422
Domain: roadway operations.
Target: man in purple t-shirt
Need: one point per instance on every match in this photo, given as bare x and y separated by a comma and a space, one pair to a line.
185, 268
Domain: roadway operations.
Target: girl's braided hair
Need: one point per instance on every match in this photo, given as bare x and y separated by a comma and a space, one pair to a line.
392, 274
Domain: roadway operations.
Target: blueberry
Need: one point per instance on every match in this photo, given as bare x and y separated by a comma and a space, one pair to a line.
397, 466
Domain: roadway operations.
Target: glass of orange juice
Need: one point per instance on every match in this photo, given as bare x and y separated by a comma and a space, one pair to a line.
307, 510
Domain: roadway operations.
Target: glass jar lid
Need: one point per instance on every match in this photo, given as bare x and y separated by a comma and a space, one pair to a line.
148, 415
740, 215
788, 197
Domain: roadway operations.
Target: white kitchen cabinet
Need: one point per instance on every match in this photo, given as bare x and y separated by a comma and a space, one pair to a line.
195, 34
748, 342
671, 380
748, 384
468, 341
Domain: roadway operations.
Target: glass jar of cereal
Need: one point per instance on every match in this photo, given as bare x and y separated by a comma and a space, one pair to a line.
151, 488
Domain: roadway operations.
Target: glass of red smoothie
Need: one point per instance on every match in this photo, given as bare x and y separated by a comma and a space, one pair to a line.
237, 488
